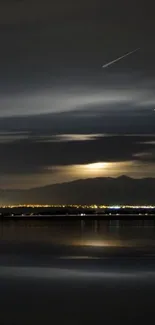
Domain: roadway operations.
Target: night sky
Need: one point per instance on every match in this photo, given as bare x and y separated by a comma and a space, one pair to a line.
62, 116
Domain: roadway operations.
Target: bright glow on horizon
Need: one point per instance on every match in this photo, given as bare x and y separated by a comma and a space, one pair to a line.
66, 173
97, 166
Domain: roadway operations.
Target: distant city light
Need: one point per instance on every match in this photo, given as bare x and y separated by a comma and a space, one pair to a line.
92, 206
115, 207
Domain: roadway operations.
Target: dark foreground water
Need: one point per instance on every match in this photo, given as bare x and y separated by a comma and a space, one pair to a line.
77, 272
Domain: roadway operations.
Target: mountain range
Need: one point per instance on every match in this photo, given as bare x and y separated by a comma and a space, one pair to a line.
121, 190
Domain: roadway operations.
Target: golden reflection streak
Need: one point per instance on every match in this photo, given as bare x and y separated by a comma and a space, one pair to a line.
97, 243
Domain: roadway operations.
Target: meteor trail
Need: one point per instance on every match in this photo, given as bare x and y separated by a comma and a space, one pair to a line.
121, 57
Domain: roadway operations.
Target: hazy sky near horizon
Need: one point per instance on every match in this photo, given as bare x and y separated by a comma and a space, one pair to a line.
59, 110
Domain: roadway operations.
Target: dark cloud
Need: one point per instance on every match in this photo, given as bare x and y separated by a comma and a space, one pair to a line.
50, 62
50, 53
24, 12
9, 137
112, 120
13, 11
31, 156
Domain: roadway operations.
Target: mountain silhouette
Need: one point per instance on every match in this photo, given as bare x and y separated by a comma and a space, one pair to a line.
107, 190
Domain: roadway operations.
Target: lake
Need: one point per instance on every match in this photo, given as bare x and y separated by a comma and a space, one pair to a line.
77, 272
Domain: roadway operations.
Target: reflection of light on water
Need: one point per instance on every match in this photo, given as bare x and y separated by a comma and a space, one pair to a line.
137, 243
97, 243
78, 257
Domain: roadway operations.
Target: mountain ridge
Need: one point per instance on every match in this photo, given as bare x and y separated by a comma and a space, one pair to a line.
100, 190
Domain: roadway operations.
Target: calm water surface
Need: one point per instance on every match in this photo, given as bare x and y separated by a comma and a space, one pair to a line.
117, 233
74, 272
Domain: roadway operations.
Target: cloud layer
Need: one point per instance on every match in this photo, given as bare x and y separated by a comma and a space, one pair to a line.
59, 110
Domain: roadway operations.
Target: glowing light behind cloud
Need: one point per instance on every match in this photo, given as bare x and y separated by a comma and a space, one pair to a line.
54, 101
69, 137
97, 169
60, 174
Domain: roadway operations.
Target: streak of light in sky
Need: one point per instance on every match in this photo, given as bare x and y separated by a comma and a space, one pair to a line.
118, 59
